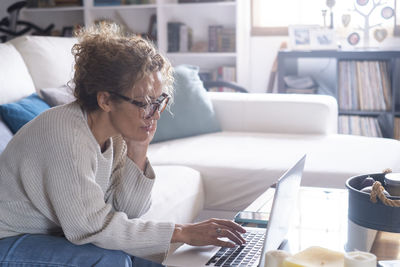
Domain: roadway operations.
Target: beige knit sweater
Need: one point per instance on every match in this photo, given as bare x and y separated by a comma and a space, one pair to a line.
55, 179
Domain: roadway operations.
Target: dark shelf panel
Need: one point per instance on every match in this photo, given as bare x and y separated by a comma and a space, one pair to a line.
363, 112
342, 54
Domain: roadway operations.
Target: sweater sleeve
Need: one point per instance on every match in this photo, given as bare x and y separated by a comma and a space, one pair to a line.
130, 189
68, 167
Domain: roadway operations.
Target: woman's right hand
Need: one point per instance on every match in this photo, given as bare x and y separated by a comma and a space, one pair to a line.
209, 232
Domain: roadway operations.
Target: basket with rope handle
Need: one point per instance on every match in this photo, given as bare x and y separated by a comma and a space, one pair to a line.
365, 210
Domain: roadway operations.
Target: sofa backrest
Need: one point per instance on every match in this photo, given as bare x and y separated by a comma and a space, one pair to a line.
15, 80
49, 59
276, 113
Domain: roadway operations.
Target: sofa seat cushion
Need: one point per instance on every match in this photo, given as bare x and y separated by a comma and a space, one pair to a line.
236, 167
177, 196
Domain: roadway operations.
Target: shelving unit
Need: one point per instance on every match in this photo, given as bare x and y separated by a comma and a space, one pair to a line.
198, 16
288, 64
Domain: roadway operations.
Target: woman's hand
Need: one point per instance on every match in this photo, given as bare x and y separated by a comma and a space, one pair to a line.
137, 150
209, 232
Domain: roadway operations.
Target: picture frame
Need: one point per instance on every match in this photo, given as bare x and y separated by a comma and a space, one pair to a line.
323, 39
299, 36
311, 37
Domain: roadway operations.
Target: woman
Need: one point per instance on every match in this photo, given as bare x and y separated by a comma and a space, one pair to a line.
75, 180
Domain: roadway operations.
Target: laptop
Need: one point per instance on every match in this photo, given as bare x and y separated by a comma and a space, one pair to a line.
258, 240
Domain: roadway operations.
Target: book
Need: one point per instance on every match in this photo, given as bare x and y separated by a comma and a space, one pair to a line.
173, 36
185, 38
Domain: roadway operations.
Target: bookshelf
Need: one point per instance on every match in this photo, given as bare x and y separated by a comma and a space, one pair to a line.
197, 15
365, 83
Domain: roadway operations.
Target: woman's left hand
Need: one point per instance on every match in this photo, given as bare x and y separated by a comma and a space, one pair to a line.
137, 150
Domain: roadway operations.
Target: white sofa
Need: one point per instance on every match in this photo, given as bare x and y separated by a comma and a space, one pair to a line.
262, 135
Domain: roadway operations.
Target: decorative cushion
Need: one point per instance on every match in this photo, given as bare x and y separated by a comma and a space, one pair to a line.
49, 59
5, 135
192, 111
15, 80
57, 96
17, 114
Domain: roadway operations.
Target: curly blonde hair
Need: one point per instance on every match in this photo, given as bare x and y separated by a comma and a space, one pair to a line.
107, 60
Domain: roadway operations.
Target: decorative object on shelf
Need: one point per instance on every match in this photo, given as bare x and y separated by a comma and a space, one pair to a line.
346, 18
353, 38
362, 2
331, 4
380, 34
369, 8
387, 12
324, 16
67, 31
396, 31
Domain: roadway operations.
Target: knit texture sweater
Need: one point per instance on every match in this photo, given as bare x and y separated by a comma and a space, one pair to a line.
54, 179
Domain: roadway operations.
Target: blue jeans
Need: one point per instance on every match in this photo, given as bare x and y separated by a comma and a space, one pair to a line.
53, 251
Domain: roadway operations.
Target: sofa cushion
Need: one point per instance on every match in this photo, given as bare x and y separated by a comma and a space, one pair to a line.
15, 81
17, 114
57, 96
192, 111
236, 167
5, 135
49, 59
177, 195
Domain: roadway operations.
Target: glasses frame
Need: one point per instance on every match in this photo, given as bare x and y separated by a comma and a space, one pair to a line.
149, 108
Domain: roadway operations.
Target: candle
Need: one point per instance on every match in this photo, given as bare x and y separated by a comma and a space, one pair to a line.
359, 259
275, 258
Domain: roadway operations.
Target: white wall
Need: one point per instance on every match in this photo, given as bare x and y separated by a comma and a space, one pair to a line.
263, 51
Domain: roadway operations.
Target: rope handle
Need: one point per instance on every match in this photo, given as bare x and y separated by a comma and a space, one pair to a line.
377, 191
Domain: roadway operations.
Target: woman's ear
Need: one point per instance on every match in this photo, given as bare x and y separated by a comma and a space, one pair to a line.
104, 101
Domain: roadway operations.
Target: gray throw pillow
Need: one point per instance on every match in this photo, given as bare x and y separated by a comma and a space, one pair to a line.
192, 110
5, 135
57, 96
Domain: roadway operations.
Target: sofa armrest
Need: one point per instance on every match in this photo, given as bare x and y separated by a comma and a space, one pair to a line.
276, 113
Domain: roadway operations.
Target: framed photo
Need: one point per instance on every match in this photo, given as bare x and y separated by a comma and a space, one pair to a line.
300, 36
323, 39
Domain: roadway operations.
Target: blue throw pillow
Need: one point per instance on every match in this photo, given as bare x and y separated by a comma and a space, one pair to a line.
192, 111
17, 114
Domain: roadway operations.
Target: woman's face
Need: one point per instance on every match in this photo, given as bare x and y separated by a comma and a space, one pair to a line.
128, 119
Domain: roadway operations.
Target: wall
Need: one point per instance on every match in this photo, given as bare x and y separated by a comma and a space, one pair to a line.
4, 4
263, 51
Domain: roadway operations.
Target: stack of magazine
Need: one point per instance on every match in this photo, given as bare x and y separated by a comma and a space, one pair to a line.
300, 84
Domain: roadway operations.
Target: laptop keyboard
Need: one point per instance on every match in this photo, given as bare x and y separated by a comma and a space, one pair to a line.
244, 255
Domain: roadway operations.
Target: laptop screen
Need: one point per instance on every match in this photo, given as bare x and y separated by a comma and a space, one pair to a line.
285, 198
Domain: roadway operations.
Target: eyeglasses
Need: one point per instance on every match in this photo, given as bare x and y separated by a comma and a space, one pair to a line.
149, 108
